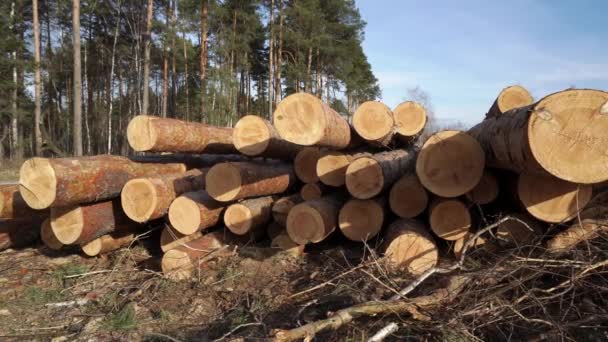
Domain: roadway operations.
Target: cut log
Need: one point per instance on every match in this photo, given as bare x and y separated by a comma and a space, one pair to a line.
557, 134
486, 191
373, 121
450, 163
179, 263
479, 242
48, 237
313, 221
410, 119
108, 243
368, 176
145, 199
519, 232
68, 181
19, 233
331, 167
255, 136
305, 120
305, 164
227, 182
194, 211
361, 220
12, 205
249, 217
449, 219
285, 243
171, 238
592, 224
274, 229
282, 206
312, 191
408, 246
408, 198
155, 134
550, 199
79, 224
510, 98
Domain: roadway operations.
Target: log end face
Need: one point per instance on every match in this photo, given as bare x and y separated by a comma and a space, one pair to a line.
513, 97
305, 164
360, 220
38, 183
67, 224
364, 178
410, 118
223, 182
139, 199
305, 224
184, 215
176, 265
486, 191
141, 133
284, 242
311, 191
238, 218
411, 251
251, 135
92, 248
300, 119
331, 168
408, 198
450, 219
373, 121
48, 237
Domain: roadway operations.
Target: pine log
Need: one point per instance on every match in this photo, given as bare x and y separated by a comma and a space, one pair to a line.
145, 199
313, 221
551, 199
361, 220
312, 191
79, 224
557, 134
227, 182
48, 237
408, 198
521, 231
373, 121
410, 119
510, 98
368, 176
171, 238
449, 218
20, 232
305, 164
591, 225
282, 206
108, 243
194, 211
179, 263
408, 246
285, 243
155, 134
249, 217
450, 163
304, 119
68, 181
274, 229
331, 167
12, 205
255, 136
486, 191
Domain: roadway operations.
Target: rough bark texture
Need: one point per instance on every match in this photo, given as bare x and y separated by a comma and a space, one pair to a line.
231, 181
510, 98
108, 243
313, 221
178, 263
408, 245
147, 46
249, 217
368, 176
48, 237
19, 232
77, 80
194, 211
12, 205
150, 133
282, 206
69, 181
361, 220
255, 136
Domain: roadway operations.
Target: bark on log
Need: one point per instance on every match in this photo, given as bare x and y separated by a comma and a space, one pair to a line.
179, 263
361, 220
408, 198
108, 243
449, 219
194, 211
227, 182
171, 238
408, 246
285, 243
80, 224
368, 176
151, 133
557, 134
486, 191
19, 233
305, 120
12, 205
249, 217
510, 98
312, 191
145, 199
282, 206
374, 122
305, 164
551, 199
48, 237
410, 119
313, 221
450, 163
69, 181
521, 231
593, 224
255, 136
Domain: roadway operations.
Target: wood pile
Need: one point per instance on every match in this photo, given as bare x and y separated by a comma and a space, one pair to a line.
311, 174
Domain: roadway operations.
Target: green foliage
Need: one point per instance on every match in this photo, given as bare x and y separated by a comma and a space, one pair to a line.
39, 296
69, 270
121, 321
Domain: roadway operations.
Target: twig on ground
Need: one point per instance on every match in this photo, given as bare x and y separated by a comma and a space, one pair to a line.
384, 332
235, 329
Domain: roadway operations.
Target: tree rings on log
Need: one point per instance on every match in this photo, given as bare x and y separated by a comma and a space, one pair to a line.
408, 198
361, 220
449, 219
408, 246
410, 119
374, 122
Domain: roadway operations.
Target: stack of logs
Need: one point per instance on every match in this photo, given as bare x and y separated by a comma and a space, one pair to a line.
313, 174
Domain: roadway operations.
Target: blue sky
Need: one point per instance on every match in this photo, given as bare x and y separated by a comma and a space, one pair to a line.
464, 52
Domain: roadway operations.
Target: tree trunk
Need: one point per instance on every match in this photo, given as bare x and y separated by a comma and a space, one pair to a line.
227, 182
203, 64
149, 198
282, 206
408, 198
108, 243
171, 238
77, 96
374, 122
361, 220
20, 232
180, 262
15, 146
186, 77
48, 237
486, 191
165, 95
271, 60
510, 98
173, 94
249, 217
256, 136
331, 167
12, 205
154, 134
410, 120
279, 64
408, 246
110, 102
68, 181
305, 164
147, 44
308, 85
194, 211
557, 134
449, 219
313, 221
37, 85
